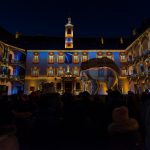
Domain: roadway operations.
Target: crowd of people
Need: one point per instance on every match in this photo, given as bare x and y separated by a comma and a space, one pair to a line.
52, 121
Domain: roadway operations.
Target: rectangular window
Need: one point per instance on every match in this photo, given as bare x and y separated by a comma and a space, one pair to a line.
99, 55
61, 58
75, 58
51, 58
84, 56
76, 71
109, 55
35, 58
60, 71
123, 57
35, 71
50, 72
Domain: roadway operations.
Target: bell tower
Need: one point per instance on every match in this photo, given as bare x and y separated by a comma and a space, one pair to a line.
69, 34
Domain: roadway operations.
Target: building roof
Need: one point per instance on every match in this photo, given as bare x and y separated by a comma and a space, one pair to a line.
80, 43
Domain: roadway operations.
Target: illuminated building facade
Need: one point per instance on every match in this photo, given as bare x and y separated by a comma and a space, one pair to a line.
77, 64
12, 68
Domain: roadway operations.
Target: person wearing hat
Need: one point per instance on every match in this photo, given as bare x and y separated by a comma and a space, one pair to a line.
123, 131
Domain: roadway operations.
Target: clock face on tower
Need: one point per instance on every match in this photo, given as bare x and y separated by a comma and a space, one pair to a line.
68, 57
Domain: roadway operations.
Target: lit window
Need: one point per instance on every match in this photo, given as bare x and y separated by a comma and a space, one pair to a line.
84, 56
76, 71
99, 55
131, 70
35, 71
124, 72
36, 58
50, 72
60, 71
75, 58
61, 58
123, 57
51, 58
109, 55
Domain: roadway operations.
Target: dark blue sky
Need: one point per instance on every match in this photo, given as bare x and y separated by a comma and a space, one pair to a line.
90, 18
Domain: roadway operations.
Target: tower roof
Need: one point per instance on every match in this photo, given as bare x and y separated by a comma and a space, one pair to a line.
69, 24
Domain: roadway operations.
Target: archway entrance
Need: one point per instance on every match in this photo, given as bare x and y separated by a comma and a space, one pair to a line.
68, 84
99, 75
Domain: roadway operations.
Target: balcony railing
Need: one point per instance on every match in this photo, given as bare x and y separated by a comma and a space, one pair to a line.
12, 77
15, 77
141, 74
16, 62
3, 76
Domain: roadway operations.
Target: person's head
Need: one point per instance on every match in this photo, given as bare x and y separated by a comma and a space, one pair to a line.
120, 114
24, 97
109, 91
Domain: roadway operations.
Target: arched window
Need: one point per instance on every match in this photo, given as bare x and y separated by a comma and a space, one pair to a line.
10, 58
69, 31
4, 70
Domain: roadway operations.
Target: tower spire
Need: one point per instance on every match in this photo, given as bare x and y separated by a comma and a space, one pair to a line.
69, 20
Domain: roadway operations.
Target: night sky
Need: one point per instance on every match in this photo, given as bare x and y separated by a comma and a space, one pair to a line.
90, 18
